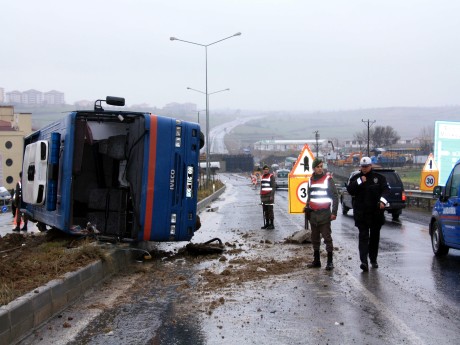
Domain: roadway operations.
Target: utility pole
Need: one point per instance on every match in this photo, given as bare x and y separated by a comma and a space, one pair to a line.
369, 124
317, 146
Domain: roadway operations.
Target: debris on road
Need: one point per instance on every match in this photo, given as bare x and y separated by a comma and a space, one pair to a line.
301, 236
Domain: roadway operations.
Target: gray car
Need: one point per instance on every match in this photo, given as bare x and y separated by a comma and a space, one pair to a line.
281, 178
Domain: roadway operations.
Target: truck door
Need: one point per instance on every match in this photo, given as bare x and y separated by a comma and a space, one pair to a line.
34, 172
450, 212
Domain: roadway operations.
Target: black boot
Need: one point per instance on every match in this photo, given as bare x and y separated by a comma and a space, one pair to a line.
270, 225
316, 261
266, 224
329, 265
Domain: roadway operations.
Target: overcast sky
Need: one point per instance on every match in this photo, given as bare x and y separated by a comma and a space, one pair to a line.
292, 54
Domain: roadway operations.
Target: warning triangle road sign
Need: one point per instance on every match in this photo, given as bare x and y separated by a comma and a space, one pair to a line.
303, 165
430, 164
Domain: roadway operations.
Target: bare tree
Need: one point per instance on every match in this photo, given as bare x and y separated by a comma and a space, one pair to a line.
426, 138
361, 137
384, 136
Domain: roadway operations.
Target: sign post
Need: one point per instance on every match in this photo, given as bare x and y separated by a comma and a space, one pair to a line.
430, 175
298, 180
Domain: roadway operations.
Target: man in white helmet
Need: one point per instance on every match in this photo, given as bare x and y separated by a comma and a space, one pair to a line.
369, 190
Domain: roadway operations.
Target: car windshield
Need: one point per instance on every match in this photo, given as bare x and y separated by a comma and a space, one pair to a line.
282, 174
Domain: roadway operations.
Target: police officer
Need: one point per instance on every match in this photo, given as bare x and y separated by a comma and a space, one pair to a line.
322, 195
267, 197
369, 190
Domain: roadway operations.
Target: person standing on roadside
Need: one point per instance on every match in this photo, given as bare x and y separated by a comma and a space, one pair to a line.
321, 197
267, 197
19, 202
369, 190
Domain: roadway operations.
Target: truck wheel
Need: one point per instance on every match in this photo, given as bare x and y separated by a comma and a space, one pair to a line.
437, 241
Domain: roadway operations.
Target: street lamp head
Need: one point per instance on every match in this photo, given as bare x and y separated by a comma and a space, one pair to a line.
237, 34
173, 38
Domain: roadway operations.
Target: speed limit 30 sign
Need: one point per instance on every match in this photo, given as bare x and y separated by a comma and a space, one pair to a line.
302, 191
430, 175
430, 181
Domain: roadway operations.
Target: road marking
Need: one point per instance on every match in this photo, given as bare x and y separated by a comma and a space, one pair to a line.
399, 324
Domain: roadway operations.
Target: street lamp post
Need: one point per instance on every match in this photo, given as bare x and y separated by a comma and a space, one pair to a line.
208, 174
208, 141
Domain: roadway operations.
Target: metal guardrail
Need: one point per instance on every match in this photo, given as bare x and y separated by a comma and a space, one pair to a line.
421, 199
419, 194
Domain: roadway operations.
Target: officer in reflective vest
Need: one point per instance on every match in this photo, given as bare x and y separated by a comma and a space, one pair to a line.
322, 195
267, 197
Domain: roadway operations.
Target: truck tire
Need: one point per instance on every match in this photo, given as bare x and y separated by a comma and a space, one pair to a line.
437, 241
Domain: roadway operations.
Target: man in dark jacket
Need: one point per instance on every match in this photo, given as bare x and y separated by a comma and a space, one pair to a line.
369, 190
267, 197
322, 196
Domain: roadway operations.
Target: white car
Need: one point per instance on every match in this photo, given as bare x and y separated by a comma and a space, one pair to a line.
281, 178
4, 194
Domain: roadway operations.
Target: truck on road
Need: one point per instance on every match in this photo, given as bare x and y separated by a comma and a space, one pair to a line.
130, 175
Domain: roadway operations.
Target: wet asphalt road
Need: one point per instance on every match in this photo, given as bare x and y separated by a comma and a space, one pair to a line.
413, 298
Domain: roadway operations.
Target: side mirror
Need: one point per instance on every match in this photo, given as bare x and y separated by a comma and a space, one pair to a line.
437, 191
117, 101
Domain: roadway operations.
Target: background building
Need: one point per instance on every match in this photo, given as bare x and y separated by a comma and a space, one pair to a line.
35, 97
286, 145
54, 97
13, 129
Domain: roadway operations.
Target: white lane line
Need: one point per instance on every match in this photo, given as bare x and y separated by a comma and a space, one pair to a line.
399, 324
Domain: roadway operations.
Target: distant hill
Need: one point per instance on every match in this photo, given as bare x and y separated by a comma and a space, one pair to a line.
407, 121
340, 124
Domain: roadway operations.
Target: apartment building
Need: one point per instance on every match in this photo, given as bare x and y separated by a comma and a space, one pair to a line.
35, 97
13, 129
54, 97
32, 97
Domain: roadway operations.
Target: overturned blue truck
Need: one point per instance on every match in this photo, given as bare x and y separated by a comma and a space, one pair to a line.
132, 176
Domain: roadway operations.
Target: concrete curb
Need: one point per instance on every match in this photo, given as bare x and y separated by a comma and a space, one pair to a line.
206, 201
20, 317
